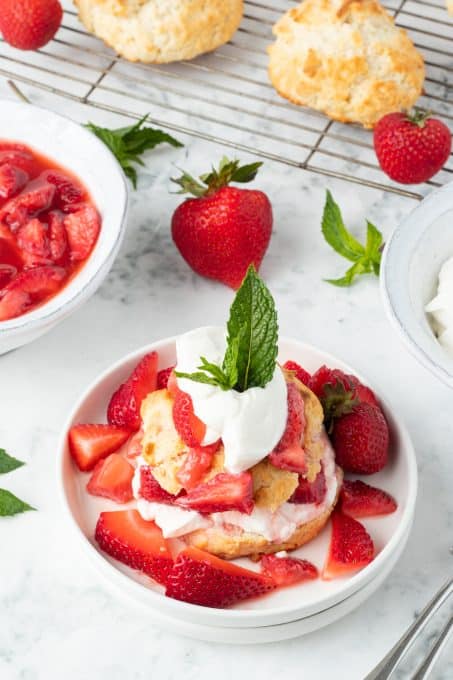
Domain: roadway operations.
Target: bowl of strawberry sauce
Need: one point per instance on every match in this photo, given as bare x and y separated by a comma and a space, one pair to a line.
63, 204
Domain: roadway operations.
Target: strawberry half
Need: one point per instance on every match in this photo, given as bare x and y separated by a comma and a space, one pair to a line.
285, 571
223, 492
89, 443
200, 578
163, 376
127, 537
300, 373
310, 492
187, 424
362, 500
197, 462
124, 407
112, 478
289, 453
351, 547
151, 490
361, 440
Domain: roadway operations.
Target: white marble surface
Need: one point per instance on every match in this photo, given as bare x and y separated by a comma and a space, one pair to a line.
56, 619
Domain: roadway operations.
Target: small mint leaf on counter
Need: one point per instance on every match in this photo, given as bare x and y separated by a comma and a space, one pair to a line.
366, 259
129, 143
11, 505
8, 463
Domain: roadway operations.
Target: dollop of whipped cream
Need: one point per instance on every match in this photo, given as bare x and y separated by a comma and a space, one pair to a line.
250, 423
441, 307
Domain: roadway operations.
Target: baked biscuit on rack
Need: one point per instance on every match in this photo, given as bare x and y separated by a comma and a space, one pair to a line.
345, 58
161, 31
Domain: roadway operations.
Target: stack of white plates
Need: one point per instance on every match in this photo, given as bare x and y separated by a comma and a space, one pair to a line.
287, 612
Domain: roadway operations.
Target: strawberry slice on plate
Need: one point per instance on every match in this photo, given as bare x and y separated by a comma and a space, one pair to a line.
82, 228
187, 424
90, 443
289, 453
285, 571
196, 464
200, 578
351, 547
163, 376
139, 544
300, 373
362, 500
223, 492
310, 492
112, 478
12, 180
151, 490
124, 407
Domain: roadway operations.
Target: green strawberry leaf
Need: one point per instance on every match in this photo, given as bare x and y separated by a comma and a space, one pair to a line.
366, 259
8, 463
251, 353
11, 505
210, 182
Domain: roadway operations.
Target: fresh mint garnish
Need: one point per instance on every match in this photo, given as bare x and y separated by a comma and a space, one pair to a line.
251, 352
8, 463
129, 143
366, 259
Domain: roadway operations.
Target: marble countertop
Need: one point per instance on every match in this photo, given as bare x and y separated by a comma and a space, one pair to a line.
57, 620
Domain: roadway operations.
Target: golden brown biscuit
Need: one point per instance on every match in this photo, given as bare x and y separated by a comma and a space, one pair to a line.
450, 6
345, 58
161, 31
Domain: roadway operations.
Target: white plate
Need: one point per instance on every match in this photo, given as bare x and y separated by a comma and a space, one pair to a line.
290, 604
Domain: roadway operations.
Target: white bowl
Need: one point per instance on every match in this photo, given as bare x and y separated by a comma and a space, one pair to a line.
75, 148
284, 605
410, 267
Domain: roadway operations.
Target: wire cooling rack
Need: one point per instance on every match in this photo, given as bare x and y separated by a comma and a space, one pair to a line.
226, 97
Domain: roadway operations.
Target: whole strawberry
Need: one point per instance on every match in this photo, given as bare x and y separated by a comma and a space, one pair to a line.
29, 24
411, 148
224, 229
361, 439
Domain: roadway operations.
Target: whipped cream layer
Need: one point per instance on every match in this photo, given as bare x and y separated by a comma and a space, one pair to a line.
441, 307
275, 526
250, 423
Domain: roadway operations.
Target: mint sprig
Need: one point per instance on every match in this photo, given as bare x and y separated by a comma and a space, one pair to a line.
366, 259
9, 503
129, 143
251, 353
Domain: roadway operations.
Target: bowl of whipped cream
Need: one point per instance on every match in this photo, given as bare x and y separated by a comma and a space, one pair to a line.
417, 282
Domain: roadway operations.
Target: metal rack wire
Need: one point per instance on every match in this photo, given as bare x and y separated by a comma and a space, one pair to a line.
226, 97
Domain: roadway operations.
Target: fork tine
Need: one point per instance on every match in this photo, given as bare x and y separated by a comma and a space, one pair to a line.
425, 668
388, 664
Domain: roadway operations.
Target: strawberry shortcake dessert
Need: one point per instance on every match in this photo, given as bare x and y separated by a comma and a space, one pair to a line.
230, 454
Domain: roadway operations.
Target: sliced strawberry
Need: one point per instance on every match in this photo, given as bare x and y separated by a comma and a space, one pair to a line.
12, 180
68, 192
151, 490
201, 578
128, 538
124, 407
362, 500
19, 157
223, 492
351, 547
196, 464
163, 376
310, 492
285, 571
82, 228
90, 443
36, 198
300, 373
189, 427
134, 447
30, 286
33, 240
289, 453
112, 478
59, 248
172, 384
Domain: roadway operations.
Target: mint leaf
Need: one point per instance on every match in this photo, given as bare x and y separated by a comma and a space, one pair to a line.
8, 463
366, 259
11, 505
128, 143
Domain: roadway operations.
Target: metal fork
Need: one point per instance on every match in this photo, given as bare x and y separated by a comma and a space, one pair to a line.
385, 668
